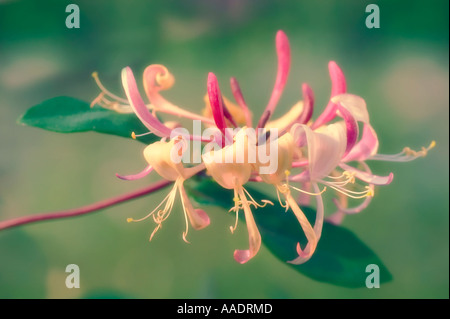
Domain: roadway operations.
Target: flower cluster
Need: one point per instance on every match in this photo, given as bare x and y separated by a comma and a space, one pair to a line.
329, 152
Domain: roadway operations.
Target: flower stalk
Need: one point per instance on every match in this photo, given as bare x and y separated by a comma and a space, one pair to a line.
74, 212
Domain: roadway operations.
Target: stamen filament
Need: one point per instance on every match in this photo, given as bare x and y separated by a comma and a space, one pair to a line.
153, 211
185, 217
404, 156
253, 201
308, 193
104, 90
368, 192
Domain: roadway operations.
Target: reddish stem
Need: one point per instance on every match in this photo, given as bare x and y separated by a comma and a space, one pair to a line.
84, 209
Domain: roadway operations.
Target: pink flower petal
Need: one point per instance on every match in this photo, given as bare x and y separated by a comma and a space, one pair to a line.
284, 62
352, 128
157, 78
152, 74
368, 177
264, 118
337, 217
215, 100
338, 86
237, 93
139, 107
140, 175
308, 104
227, 114
365, 148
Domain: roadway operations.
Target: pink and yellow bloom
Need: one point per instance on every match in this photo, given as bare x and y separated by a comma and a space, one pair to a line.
308, 153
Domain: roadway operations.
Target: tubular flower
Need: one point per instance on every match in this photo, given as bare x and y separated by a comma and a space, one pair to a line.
231, 167
329, 151
165, 158
353, 110
279, 179
156, 78
161, 156
227, 167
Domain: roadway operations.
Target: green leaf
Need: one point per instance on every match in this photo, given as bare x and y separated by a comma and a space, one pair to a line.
341, 257
68, 115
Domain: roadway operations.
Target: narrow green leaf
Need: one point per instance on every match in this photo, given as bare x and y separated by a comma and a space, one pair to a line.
68, 115
341, 257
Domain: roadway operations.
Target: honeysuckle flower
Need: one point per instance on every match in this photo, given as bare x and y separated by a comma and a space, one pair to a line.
165, 158
233, 174
365, 149
328, 148
308, 152
230, 168
328, 151
156, 78
279, 179
353, 110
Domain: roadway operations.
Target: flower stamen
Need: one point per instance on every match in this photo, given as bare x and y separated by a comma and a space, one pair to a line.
406, 155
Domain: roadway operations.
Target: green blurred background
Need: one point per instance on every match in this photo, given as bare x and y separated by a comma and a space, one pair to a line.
400, 69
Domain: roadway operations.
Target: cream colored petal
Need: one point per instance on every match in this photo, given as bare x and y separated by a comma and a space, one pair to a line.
282, 158
355, 105
288, 119
325, 147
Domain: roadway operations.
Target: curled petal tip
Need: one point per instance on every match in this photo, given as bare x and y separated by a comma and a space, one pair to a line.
242, 256
303, 256
338, 86
203, 216
185, 239
299, 249
139, 175
390, 178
